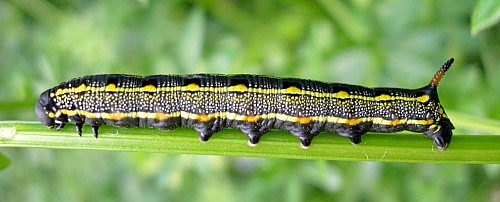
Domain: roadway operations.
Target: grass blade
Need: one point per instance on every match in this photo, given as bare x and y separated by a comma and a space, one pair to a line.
401, 147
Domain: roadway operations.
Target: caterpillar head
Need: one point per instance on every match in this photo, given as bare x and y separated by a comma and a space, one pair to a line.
45, 109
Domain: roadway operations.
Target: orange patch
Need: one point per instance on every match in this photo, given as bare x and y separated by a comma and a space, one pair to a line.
115, 116
204, 117
304, 120
160, 116
353, 122
252, 119
395, 122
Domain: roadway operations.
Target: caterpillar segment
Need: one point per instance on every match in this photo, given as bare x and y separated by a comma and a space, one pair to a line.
252, 103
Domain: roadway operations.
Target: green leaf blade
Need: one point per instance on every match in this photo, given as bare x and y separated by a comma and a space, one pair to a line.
486, 14
399, 147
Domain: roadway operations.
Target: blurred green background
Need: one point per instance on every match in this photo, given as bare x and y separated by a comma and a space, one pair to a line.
372, 43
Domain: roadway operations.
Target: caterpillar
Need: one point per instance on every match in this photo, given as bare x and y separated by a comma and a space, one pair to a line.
252, 103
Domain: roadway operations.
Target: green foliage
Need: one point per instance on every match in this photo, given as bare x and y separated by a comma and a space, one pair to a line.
4, 161
372, 43
486, 15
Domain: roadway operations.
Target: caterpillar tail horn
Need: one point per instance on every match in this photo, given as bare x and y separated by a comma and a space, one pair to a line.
437, 77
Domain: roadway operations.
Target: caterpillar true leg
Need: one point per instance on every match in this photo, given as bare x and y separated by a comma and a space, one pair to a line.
95, 130
60, 125
79, 126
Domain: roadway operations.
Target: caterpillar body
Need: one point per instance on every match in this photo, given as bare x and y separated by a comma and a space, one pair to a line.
252, 103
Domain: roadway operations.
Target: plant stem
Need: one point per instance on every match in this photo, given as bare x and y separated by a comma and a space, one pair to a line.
399, 147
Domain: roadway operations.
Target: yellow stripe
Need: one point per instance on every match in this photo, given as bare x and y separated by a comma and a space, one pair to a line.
58, 113
233, 116
59, 92
240, 88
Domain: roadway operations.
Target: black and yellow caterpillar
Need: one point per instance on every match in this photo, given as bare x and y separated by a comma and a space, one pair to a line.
254, 104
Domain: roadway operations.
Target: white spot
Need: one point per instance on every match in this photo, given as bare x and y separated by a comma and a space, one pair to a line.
251, 144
